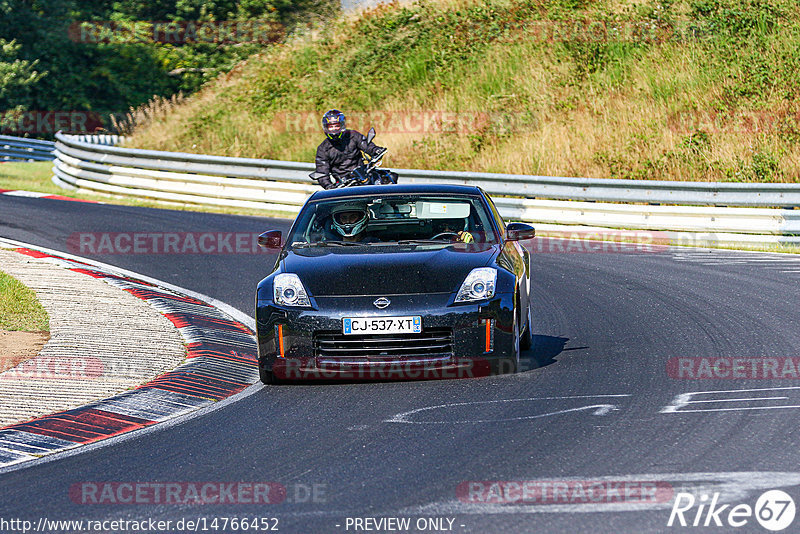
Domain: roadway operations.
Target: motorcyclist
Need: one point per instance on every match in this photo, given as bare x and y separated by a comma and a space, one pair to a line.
340, 152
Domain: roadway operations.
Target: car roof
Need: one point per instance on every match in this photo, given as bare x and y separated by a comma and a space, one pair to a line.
398, 189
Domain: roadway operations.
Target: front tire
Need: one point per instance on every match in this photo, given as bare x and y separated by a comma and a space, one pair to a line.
515, 351
526, 342
267, 377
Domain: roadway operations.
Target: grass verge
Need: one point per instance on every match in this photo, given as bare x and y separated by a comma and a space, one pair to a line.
19, 307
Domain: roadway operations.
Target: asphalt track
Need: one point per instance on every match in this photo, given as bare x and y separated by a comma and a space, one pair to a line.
592, 408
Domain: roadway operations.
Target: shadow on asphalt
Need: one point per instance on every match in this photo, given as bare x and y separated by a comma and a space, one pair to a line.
543, 351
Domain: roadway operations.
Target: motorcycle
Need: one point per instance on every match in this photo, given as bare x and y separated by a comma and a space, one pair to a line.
367, 173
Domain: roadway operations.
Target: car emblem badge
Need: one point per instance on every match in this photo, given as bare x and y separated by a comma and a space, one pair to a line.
382, 302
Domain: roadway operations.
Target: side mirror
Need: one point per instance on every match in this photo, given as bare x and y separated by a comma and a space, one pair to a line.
370, 135
271, 239
316, 175
519, 231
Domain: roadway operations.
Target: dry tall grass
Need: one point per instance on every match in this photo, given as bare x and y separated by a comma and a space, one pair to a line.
649, 112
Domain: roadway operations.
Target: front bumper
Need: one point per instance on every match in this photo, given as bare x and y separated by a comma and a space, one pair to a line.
292, 342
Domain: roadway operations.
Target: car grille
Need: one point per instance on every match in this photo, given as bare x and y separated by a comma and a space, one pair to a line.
432, 343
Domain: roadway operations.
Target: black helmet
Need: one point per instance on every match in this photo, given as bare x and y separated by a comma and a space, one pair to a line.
333, 124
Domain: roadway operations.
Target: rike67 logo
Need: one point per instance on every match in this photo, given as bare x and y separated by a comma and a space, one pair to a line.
774, 510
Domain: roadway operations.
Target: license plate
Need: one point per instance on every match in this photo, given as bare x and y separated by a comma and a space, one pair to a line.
382, 325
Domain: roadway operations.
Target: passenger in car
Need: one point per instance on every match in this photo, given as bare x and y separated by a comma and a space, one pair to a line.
455, 228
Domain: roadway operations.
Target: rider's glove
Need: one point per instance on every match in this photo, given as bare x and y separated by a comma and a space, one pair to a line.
326, 182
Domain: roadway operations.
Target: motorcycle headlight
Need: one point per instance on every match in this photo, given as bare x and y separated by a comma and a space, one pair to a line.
478, 285
289, 290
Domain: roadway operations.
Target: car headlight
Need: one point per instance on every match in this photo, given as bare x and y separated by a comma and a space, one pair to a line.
478, 285
289, 290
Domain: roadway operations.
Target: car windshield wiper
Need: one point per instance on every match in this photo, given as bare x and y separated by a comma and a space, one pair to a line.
303, 244
423, 242
345, 243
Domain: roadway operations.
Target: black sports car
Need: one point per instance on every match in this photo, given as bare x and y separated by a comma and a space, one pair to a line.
392, 282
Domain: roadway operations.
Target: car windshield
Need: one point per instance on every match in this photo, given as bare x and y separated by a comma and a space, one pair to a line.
407, 220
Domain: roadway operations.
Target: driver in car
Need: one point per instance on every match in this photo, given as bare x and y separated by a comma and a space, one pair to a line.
340, 152
350, 221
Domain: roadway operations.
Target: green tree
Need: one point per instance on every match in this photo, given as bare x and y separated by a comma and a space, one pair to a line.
16, 77
48, 68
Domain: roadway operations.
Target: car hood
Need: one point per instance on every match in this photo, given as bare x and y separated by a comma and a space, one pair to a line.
385, 271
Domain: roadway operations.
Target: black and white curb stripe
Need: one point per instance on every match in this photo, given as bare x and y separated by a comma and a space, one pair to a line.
221, 362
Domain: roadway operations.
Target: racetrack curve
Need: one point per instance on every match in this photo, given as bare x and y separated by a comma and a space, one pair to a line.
591, 408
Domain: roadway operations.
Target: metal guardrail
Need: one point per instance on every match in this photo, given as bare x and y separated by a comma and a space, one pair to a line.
284, 186
616, 190
650, 217
23, 149
179, 177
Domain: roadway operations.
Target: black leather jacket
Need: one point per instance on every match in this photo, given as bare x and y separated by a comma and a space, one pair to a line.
342, 155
